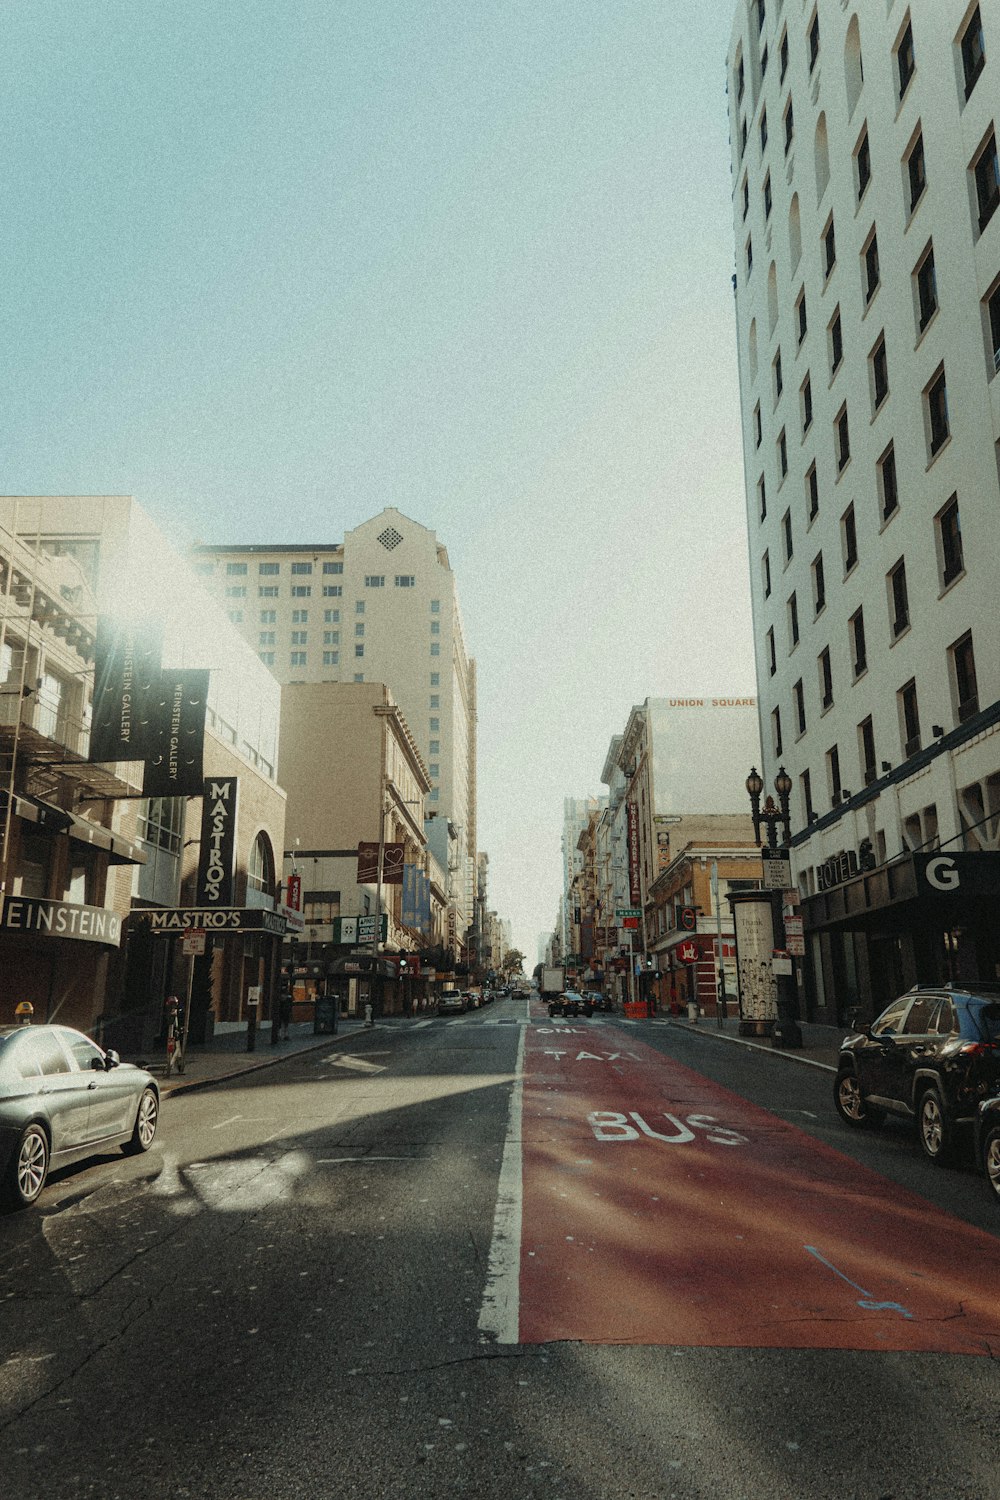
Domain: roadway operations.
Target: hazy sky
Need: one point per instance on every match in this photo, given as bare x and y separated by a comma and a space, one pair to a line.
270, 266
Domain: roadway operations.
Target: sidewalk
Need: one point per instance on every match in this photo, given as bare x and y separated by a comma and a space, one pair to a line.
226, 1055
820, 1044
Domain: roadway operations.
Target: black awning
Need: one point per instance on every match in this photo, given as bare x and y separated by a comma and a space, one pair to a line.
53, 819
934, 887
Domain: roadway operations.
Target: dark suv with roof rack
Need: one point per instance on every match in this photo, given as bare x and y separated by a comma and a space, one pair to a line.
931, 1056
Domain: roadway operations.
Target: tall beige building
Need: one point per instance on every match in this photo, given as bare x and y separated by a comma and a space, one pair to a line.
381, 606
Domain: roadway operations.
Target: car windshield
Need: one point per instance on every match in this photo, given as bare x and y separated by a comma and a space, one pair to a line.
988, 1017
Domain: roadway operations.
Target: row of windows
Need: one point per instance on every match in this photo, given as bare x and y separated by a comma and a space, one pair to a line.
961, 663
950, 562
298, 658
272, 569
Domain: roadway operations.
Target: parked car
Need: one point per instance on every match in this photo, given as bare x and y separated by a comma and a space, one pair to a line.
571, 1003
452, 1002
601, 1003
988, 1142
932, 1056
63, 1098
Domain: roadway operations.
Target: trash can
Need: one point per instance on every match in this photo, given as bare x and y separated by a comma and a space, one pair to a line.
325, 1016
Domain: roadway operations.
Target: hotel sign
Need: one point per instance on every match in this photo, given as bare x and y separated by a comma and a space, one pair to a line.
62, 919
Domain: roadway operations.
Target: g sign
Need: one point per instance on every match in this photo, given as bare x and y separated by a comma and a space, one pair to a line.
942, 873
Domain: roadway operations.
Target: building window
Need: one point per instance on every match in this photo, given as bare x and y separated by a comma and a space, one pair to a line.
805, 782
435, 627
849, 539
763, 131
332, 590
825, 678
333, 567
434, 768
236, 591
779, 384
267, 658
925, 278
435, 648
905, 62
268, 591
359, 649
793, 621
374, 581
758, 431
269, 570
765, 570
435, 679
836, 342
236, 570
819, 584
434, 725
772, 660
812, 491
909, 717
866, 750
359, 606
331, 658
799, 698
829, 247
359, 677
776, 731
963, 671
888, 488
916, 171
987, 174
879, 366
405, 580
789, 122
301, 590
950, 558
786, 531
331, 638
856, 633
300, 617
992, 322
973, 51
767, 196
266, 638
236, 615
800, 314
435, 606
299, 637
304, 569
434, 748
331, 617
899, 604
807, 405
936, 403
871, 270
862, 164
833, 775
359, 630
435, 700
782, 453
268, 616
298, 659
842, 439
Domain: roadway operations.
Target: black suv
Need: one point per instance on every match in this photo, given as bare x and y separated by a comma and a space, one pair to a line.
931, 1056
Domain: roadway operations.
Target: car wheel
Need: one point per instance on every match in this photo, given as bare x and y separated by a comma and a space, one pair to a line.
991, 1159
29, 1168
851, 1104
146, 1118
936, 1134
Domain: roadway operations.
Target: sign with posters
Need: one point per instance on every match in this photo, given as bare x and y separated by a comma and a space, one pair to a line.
176, 737
754, 947
126, 688
662, 849
795, 942
216, 885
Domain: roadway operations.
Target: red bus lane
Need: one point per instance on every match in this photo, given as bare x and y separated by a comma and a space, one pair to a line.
659, 1208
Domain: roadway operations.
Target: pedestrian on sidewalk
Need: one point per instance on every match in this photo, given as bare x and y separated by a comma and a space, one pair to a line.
284, 1014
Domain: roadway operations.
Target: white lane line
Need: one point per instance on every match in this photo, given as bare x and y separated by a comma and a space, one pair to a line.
418, 1024
333, 1161
223, 1123
500, 1314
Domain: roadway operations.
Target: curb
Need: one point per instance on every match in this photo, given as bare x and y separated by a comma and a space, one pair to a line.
792, 1054
169, 1088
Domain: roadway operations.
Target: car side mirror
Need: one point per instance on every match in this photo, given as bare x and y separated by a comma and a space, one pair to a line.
97, 1064
111, 1060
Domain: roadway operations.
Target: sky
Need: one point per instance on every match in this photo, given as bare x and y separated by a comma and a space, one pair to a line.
271, 266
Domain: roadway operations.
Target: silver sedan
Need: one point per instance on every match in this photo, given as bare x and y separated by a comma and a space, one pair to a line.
63, 1098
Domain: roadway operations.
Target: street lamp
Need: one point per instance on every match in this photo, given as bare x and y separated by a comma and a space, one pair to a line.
787, 1030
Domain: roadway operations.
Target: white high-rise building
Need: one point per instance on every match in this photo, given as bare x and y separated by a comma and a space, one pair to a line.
381, 606
866, 192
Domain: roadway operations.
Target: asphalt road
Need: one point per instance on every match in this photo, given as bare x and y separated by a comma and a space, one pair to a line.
285, 1298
